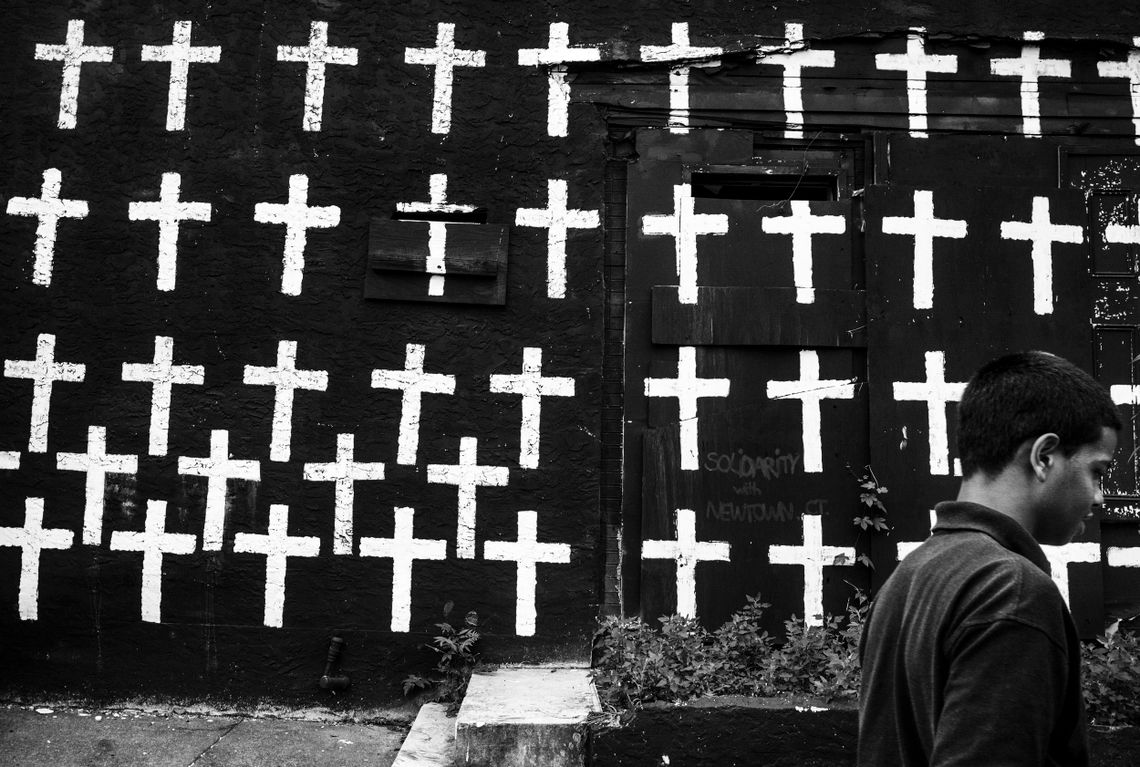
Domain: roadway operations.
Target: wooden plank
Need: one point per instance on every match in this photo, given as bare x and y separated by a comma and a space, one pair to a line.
728, 316
475, 263
472, 249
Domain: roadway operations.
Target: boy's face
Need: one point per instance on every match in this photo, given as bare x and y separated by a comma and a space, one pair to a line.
1073, 489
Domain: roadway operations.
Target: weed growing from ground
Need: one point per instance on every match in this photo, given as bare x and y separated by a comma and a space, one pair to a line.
455, 660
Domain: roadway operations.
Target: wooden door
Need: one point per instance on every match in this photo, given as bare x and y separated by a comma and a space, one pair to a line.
745, 368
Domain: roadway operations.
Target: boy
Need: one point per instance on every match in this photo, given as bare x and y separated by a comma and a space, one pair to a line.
970, 656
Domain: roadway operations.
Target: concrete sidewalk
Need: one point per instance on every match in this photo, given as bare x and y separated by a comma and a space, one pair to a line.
58, 736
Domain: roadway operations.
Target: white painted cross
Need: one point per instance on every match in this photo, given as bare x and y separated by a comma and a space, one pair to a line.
527, 552
437, 230
1122, 234
684, 226
467, 476
1123, 556
43, 371
277, 546
162, 374
688, 552
812, 556
811, 390
802, 225
344, 472
285, 378
917, 64
9, 460
219, 468
924, 227
1042, 233
403, 548
98, 464
154, 542
445, 57
1129, 68
1125, 394
49, 208
74, 54
558, 220
1060, 557
532, 386
906, 548
32, 539
414, 383
794, 61
169, 212
681, 51
936, 392
556, 56
316, 55
181, 54
687, 387
1030, 67
298, 217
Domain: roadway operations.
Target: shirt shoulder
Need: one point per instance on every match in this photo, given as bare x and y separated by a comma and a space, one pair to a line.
987, 583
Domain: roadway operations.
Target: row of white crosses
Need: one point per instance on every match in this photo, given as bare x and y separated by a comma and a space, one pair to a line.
1040, 231
684, 225
810, 389
277, 546
170, 212
813, 556
44, 371
935, 392
687, 552
445, 57
298, 217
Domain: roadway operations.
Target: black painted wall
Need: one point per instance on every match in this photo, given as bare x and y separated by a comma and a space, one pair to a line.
243, 139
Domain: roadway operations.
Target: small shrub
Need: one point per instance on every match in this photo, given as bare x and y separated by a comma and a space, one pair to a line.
637, 664
1111, 678
455, 660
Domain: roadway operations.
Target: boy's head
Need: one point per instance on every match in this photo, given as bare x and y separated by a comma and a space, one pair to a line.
1021, 396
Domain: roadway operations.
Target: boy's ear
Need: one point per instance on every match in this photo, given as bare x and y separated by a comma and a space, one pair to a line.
1043, 453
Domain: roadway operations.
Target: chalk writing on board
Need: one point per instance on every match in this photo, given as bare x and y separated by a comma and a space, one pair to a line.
747, 466
770, 511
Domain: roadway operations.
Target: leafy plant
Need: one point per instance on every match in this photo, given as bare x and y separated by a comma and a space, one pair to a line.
636, 663
455, 660
1110, 678
874, 519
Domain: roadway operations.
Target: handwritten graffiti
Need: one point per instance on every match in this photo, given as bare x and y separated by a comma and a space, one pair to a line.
748, 488
771, 511
746, 466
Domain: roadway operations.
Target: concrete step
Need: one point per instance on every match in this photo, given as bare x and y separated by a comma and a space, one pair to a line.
525, 717
431, 741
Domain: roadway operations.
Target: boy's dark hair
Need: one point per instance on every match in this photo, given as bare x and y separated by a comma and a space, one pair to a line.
1022, 396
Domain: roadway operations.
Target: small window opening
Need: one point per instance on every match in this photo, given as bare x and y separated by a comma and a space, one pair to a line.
764, 186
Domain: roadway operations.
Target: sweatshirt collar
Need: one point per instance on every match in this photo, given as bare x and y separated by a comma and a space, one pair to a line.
959, 515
